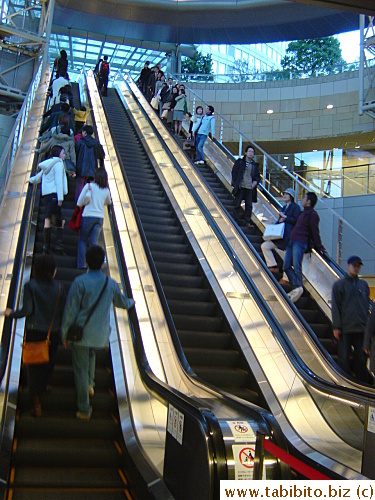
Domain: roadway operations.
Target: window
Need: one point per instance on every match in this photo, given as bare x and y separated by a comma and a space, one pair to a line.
223, 49
221, 69
237, 54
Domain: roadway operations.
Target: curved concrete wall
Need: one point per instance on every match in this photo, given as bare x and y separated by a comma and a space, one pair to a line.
300, 108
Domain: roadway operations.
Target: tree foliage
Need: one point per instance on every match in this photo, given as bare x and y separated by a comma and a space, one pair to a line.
240, 70
198, 64
315, 56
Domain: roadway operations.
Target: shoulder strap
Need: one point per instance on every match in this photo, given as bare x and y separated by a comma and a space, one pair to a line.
96, 302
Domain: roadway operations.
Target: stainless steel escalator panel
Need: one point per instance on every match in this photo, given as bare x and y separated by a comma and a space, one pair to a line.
293, 397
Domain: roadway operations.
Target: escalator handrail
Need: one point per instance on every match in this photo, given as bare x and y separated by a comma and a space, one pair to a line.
293, 356
256, 411
169, 395
276, 203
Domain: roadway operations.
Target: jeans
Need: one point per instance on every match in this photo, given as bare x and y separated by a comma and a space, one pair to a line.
90, 229
247, 195
346, 341
200, 139
83, 359
293, 262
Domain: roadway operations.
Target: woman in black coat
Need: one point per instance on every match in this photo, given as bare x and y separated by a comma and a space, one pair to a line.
40, 296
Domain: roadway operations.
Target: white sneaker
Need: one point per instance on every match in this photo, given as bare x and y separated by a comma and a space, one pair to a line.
295, 294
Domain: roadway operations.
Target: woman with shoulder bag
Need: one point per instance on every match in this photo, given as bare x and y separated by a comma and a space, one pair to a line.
179, 110
43, 307
93, 197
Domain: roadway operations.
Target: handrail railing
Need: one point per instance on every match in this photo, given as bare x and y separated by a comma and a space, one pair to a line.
344, 178
12, 145
279, 176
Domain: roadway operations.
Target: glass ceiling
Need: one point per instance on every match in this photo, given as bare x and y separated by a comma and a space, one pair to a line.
85, 53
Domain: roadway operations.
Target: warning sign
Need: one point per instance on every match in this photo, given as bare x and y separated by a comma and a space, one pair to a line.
371, 419
243, 461
241, 431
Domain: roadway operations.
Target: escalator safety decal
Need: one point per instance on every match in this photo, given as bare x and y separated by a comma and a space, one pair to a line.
241, 431
175, 424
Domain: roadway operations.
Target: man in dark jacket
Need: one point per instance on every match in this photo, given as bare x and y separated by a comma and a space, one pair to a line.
288, 215
306, 228
143, 78
88, 152
350, 308
245, 178
103, 76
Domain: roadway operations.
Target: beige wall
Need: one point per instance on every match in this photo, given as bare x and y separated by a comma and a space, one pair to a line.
299, 108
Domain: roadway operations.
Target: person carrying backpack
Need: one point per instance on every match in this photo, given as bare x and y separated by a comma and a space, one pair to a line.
103, 76
306, 228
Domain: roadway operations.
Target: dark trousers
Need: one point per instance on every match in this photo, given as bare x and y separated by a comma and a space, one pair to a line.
346, 342
247, 195
103, 79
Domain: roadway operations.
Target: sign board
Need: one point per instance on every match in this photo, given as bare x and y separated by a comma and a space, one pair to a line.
241, 431
243, 461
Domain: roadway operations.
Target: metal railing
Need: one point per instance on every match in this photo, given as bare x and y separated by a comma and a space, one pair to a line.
14, 141
353, 180
276, 178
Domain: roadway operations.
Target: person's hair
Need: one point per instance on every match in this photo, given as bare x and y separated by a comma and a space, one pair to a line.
88, 129
65, 106
106, 58
101, 178
65, 130
249, 147
175, 87
312, 197
64, 119
182, 91
198, 107
211, 108
95, 257
64, 98
55, 151
63, 54
44, 267
170, 78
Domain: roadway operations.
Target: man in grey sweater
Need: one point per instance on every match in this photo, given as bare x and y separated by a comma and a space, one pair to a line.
83, 294
350, 308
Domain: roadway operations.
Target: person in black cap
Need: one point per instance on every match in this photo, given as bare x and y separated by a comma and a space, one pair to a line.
350, 308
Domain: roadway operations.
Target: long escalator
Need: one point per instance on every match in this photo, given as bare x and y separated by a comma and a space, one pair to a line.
57, 455
205, 335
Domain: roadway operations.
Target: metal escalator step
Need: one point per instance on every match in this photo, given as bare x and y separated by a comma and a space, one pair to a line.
77, 452
190, 294
216, 358
174, 258
63, 376
56, 427
199, 323
181, 281
222, 377
185, 307
71, 494
204, 339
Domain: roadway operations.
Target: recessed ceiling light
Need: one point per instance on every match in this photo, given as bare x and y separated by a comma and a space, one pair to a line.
357, 147
284, 166
329, 106
269, 111
286, 157
335, 149
315, 150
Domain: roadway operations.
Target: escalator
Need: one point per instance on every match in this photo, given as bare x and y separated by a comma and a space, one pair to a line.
205, 335
307, 306
58, 455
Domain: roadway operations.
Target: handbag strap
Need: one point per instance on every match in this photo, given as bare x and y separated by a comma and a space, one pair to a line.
54, 312
96, 302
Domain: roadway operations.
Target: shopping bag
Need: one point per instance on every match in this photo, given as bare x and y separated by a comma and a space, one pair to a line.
274, 232
75, 221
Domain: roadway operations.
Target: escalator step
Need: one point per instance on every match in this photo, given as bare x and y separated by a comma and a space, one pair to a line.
198, 323
204, 339
79, 452
211, 357
184, 307
65, 477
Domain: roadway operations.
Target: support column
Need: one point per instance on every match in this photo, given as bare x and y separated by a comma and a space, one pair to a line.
51, 8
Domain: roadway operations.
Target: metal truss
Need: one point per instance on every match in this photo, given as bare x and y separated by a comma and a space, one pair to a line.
24, 31
367, 66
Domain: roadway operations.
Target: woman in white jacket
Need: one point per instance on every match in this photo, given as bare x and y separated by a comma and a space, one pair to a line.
54, 187
93, 197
